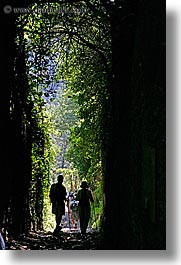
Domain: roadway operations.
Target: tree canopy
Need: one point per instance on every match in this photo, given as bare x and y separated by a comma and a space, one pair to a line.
85, 96
68, 63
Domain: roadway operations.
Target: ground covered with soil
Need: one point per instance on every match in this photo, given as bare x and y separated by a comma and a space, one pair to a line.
66, 240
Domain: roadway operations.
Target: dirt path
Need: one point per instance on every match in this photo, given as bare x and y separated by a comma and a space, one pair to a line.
67, 240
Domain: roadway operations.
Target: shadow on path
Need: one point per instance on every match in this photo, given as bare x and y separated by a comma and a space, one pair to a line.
67, 240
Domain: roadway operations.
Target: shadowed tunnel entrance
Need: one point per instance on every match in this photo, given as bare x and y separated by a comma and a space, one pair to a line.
100, 68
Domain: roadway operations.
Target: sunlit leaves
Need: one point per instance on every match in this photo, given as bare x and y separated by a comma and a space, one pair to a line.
67, 63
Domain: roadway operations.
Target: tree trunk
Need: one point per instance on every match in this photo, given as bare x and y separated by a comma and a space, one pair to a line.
134, 168
117, 177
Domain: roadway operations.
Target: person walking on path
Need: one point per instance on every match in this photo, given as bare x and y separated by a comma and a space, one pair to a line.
58, 197
74, 213
84, 196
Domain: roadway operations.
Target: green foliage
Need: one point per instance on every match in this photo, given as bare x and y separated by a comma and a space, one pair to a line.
42, 157
97, 207
63, 115
68, 65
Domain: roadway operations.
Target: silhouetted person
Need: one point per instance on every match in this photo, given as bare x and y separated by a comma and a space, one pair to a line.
58, 197
74, 212
84, 196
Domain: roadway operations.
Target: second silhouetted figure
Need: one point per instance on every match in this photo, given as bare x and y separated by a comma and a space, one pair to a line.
84, 196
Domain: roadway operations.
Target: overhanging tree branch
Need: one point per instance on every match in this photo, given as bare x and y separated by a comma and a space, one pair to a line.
87, 43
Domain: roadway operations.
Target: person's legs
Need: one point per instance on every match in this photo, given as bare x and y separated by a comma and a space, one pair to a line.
75, 219
81, 217
86, 218
58, 227
84, 224
58, 219
83, 220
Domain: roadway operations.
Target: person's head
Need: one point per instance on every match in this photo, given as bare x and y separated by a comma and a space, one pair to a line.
71, 194
60, 178
84, 184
